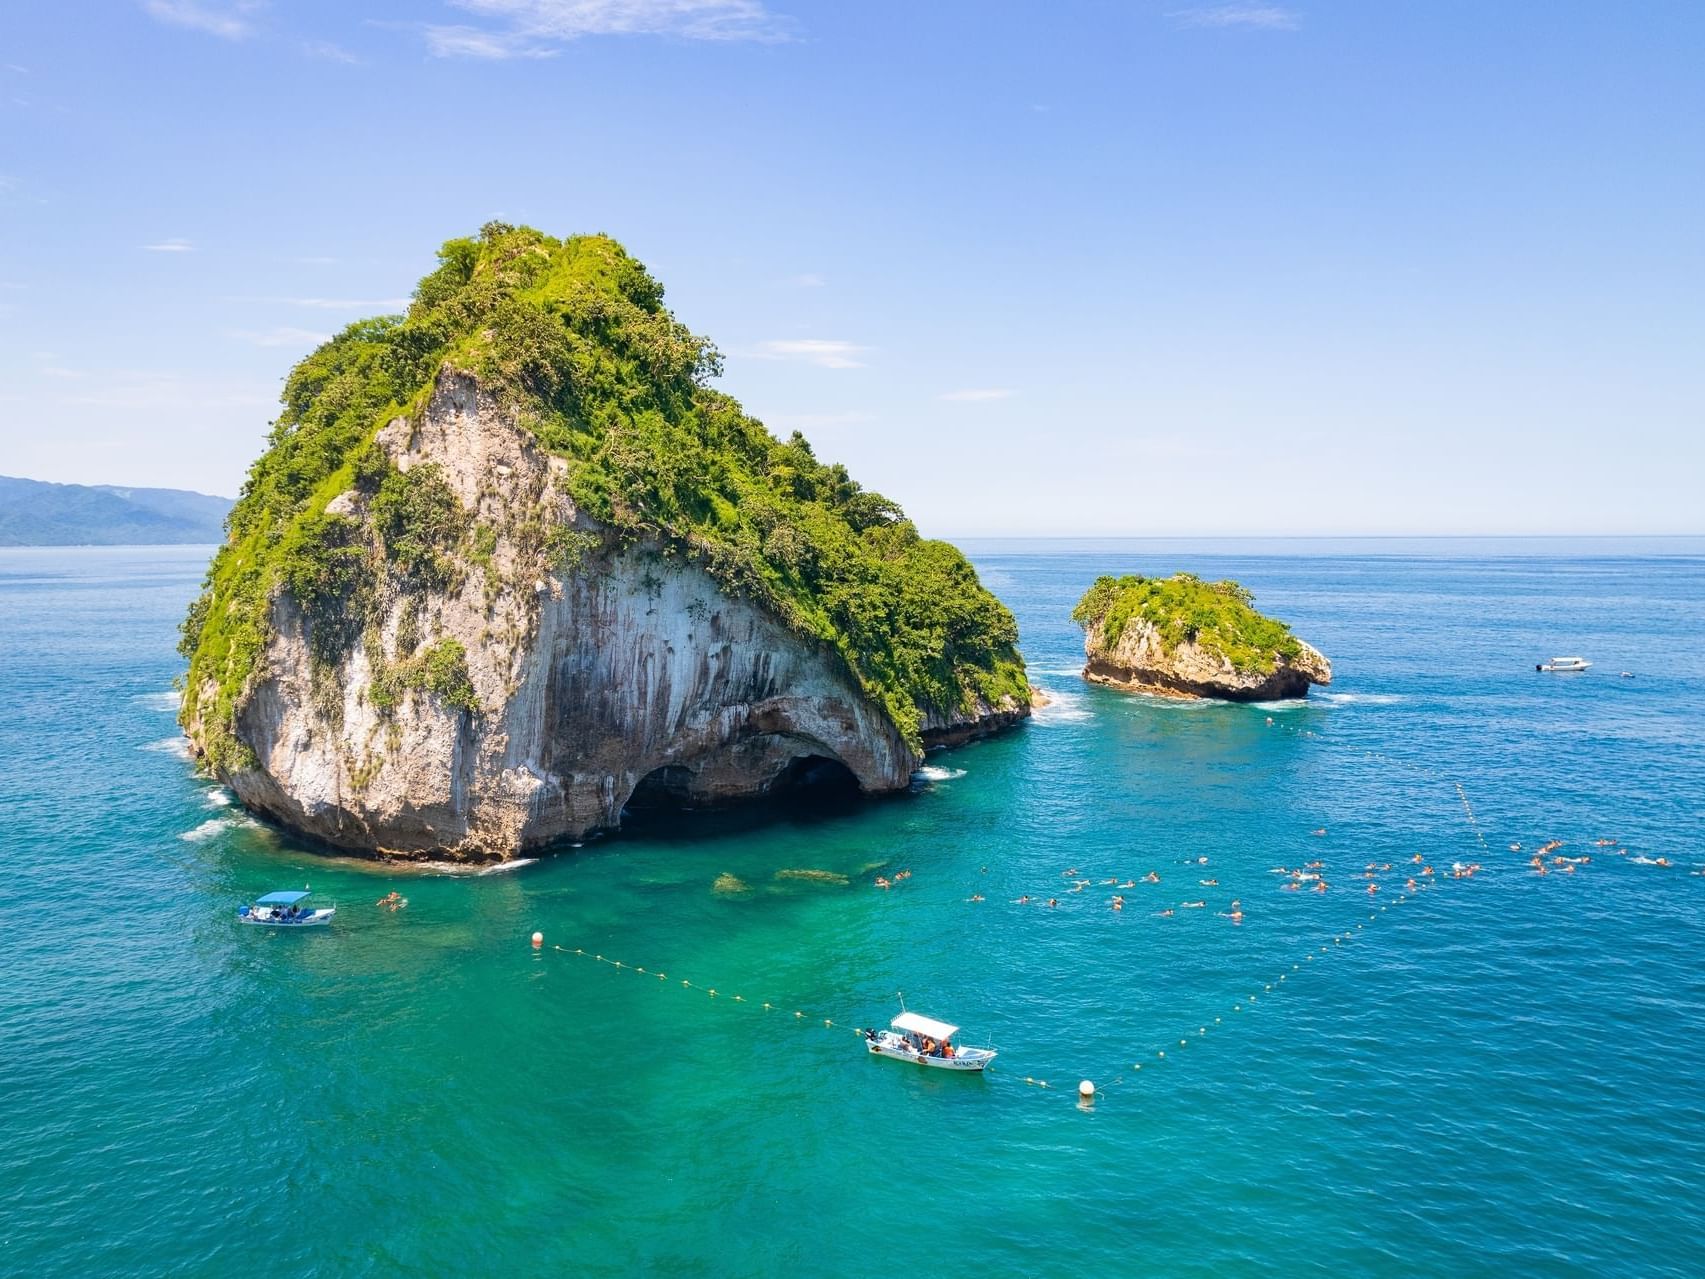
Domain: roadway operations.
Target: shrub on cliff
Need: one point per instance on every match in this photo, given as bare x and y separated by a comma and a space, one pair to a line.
573, 335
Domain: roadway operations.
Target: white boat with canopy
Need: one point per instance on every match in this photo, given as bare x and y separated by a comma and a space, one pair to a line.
927, 1042
1561, 664
285, 910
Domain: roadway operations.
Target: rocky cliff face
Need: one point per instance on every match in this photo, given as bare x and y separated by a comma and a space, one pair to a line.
592, 671
1141, 662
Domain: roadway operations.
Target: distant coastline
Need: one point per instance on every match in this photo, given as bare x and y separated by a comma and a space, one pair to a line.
39, 513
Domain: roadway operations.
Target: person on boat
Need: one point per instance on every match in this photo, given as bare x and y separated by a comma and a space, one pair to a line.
947, 1048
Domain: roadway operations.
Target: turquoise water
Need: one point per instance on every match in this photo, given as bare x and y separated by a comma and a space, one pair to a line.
1501, 1073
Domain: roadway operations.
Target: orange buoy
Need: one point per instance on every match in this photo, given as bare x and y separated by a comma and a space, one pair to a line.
538, 940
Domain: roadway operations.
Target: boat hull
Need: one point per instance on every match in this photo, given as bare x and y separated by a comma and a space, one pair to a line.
967, 1060
314, 919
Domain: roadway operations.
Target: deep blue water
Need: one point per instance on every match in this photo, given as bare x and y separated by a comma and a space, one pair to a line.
1500, 1073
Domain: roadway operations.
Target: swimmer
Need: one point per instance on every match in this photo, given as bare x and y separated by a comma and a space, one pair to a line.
1151, 878
1129, 883
1070, 873
1320, 885
1193, 905
1291, 887
1318, 833
1515, 848
1372, 888
1209, 883
975, 897
1426, 870
1569, 869
1235, 914
1110, 883
1316, 866
1201, 861
1053, 901
1164, 914
1409, 886
883, 882
1076, 889
1021, 901
1417, 857
1118, 903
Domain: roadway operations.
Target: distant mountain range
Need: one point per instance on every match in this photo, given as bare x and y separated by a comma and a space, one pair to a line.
35, 513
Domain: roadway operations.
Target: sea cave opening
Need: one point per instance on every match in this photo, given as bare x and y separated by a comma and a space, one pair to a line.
806, 788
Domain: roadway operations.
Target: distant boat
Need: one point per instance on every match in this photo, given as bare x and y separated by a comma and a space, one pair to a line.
285, 910
927, 1042
1564, 664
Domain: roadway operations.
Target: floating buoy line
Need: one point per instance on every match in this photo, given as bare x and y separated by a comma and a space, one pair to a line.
1415, 883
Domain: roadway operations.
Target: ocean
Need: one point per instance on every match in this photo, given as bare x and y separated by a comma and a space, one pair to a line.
1501, 1072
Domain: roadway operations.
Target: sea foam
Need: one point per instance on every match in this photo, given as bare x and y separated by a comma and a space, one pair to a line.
178, 746
935, 773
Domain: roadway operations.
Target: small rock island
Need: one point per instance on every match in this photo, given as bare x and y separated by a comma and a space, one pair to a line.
1179, 636
510, 564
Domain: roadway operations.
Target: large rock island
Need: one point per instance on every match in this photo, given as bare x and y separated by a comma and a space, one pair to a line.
509, 564
1182, 637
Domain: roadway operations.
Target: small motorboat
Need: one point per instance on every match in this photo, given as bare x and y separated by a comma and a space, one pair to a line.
285, 910
927, 1042
1562, 665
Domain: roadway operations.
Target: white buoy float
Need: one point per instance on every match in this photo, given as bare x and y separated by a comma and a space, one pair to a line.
538, 940
1086, 1091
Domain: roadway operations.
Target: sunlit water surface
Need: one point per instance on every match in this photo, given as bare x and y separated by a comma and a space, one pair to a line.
1500, 1074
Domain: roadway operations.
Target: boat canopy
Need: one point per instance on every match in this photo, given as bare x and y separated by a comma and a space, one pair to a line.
918, 1024
281, 899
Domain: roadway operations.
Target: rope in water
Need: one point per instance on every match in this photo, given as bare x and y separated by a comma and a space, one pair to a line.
712, 992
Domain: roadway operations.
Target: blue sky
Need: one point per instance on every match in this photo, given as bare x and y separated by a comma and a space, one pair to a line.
1106, 267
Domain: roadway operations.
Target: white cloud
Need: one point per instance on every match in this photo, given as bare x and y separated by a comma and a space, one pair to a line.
283, 335
1260, 17
227, 21
977, 395
326, 51
175, 245
537, 28
823, 352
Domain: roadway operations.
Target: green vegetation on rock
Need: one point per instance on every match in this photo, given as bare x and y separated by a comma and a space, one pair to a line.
1184, 609
572, 336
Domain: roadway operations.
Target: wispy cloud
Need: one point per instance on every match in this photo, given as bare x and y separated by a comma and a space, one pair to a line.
977, 395
822, 352
231, 21
176, 244
326, 51
539, 28
1259, 17
816, 421
133, 389
346, 304
283, 335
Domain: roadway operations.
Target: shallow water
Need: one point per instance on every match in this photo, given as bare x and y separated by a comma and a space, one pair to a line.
1499, 1073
